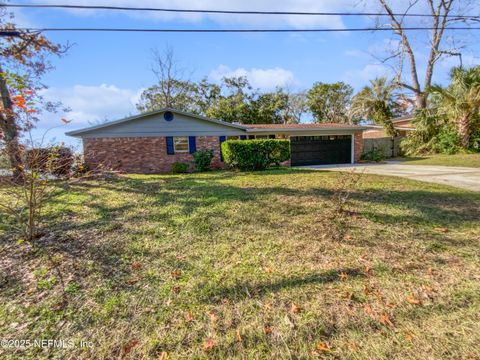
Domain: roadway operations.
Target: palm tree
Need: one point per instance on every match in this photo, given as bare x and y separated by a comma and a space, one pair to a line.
377, 102
460, 101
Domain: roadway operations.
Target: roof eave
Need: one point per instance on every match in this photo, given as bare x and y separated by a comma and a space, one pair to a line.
80, 132
286, 130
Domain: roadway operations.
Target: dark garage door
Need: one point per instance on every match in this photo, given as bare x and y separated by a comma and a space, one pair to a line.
321, 150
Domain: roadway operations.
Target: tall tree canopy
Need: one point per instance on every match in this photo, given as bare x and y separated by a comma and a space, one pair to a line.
330, 102
377, 102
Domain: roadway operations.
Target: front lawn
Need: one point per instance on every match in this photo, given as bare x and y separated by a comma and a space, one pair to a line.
226, 265
463, 160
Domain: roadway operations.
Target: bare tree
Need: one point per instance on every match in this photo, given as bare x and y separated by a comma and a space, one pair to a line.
441, 12
173, 88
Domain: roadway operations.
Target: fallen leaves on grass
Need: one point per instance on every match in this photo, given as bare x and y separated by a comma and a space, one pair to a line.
163, 356
212, 316
238, 336
413, 300
176, 274
129, 346
268, 329
385, 320
136, 265
442, 229
132, 281
367, 309
295, 309
323, 347
208, 345
189, 316
409, 336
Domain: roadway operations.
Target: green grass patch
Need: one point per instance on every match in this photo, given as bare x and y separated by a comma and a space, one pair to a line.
461, 160
248, 265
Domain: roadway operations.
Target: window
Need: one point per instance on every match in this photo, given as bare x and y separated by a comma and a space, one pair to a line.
180, 144
233, 137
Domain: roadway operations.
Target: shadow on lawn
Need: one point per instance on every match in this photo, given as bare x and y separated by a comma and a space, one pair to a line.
255, 290
190, 193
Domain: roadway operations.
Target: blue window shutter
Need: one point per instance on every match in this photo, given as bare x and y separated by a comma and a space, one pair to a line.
170, 148
243, 137
192, 144
222, 139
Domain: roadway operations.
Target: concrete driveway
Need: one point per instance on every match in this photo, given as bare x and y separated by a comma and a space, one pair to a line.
461, 177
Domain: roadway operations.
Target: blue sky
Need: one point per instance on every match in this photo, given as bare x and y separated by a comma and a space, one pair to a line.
103, 74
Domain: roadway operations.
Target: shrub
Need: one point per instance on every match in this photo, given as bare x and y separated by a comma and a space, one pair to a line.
375, 154
249, 155
179, 168
55, 160
203, 159
447, 141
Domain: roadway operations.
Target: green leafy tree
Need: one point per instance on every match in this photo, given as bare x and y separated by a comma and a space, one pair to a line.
234, 105
330, 102
460, 101
172, 93
377, 102
269, 108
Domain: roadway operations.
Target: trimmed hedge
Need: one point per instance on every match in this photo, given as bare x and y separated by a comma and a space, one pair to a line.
250, 155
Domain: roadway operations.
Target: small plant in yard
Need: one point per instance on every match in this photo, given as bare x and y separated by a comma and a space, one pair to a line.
375, 154
337, 217
203, 159
179, 168
25, 200
251, 155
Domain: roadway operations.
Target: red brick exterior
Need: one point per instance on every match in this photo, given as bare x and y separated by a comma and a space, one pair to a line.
146, 155
358, 143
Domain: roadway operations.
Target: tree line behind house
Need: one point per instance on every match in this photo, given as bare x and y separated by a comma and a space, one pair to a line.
447, 124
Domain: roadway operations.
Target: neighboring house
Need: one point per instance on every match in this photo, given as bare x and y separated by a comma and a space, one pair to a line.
152, 142
402, 124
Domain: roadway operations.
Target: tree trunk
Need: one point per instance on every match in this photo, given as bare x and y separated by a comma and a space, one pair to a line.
464, 131
420, 101
9, 128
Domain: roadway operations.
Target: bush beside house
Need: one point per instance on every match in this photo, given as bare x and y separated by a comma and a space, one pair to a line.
203, 159
251, 155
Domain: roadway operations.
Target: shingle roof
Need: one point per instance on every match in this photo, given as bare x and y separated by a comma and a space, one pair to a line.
303, 126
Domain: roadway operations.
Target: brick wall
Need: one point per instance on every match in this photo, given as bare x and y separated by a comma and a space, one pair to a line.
147, 155
358, 141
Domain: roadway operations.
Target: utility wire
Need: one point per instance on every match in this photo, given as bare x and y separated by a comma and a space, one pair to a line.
38, 30
237, 12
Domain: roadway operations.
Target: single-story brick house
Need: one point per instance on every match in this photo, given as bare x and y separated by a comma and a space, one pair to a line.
152, 142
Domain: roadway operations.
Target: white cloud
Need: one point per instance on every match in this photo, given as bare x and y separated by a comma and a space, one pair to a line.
90, 104
294, 21
361, 77
258, 78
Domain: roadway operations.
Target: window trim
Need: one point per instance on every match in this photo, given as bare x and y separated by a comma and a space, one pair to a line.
175, 145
